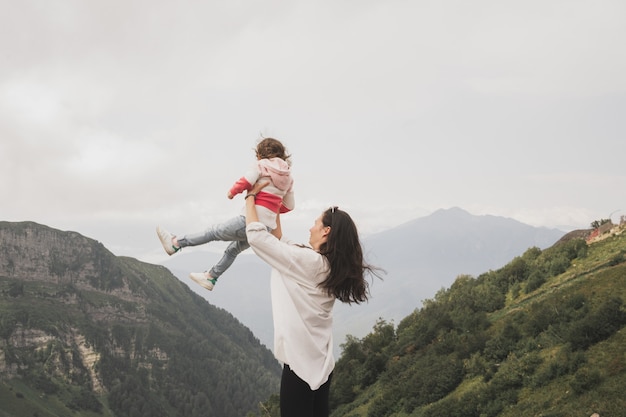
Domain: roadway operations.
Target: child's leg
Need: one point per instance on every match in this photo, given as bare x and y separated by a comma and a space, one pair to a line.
168, 240
231, 230
231, 252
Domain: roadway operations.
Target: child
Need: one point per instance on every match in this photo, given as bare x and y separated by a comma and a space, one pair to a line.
273, 165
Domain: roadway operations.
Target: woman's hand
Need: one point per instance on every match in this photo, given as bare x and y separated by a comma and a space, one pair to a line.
258, 186
251, 214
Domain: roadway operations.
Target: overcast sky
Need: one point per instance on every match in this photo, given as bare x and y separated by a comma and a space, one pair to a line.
116, 116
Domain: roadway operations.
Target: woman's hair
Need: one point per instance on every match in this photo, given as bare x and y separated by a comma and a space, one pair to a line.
271, 148
346, 280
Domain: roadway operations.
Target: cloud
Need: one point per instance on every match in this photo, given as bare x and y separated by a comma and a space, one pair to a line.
117, 116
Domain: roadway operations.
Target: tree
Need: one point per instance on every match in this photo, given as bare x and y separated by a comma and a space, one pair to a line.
597, 223
599, 325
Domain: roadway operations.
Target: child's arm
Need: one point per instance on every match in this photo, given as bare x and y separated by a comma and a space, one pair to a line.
244, 183
240, 185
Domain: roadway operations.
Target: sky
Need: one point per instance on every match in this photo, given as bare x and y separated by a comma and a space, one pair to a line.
116, 116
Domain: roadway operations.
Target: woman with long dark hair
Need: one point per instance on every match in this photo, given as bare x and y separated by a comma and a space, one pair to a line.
305, 281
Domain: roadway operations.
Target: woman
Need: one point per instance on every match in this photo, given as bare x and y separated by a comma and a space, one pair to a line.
305, 282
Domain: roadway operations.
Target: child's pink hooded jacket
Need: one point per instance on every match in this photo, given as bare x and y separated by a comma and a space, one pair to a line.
277, 197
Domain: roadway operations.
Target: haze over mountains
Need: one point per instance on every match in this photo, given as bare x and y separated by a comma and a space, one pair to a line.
420, 257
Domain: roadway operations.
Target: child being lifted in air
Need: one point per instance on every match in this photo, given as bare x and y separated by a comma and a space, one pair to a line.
273, 165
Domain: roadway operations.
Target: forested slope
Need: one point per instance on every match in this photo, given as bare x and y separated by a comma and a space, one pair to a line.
83, 331
544, 335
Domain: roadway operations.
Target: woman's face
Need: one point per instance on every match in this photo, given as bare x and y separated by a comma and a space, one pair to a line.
318, 233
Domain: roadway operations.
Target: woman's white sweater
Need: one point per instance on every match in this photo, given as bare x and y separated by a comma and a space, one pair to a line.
302, 312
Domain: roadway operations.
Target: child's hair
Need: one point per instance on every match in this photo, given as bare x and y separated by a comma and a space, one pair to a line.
271, 148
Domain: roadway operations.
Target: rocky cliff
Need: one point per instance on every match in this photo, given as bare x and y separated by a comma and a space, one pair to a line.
114, 335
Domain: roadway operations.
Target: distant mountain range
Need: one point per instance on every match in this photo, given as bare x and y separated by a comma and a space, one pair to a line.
420, 257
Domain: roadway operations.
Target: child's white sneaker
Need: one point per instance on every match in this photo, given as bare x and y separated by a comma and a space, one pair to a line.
203, 279
166, 240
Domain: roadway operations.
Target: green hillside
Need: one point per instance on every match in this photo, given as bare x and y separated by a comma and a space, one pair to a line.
542, 336
86, 333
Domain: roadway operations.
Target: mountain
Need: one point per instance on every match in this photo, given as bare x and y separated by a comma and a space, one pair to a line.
424, 255
83, 332
243, 290
420, 257
543, 335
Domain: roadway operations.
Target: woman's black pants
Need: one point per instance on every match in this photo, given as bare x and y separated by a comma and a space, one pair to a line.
297, 399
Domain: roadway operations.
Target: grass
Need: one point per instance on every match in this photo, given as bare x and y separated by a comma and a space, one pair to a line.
17, 399
605, 364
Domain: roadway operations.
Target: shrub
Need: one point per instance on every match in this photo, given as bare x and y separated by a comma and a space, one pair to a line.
584, 380
598, 325
535, 280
